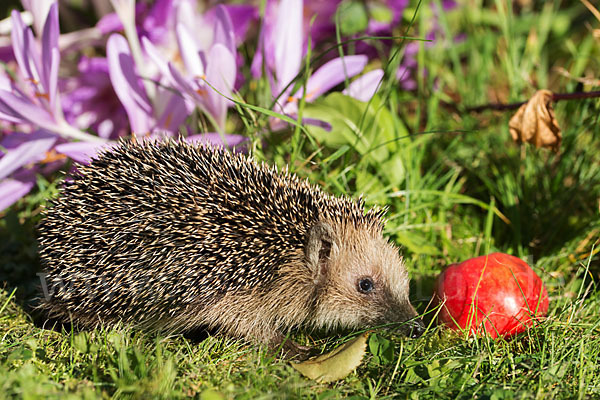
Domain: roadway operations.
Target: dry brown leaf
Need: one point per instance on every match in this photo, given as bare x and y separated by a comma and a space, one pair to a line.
336, 364
535, 122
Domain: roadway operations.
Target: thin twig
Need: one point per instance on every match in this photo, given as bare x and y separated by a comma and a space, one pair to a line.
514, 106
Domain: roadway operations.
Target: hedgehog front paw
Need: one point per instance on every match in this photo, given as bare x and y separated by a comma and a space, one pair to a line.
288, 349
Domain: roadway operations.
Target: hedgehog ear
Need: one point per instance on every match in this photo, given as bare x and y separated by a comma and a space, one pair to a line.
318, 250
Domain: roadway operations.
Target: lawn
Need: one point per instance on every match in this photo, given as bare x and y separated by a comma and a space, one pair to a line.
455, 184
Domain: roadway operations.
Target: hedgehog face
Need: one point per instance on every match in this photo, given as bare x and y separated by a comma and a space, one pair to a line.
362, 283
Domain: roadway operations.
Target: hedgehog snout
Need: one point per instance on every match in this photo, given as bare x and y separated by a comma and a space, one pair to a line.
417, 328
405, 319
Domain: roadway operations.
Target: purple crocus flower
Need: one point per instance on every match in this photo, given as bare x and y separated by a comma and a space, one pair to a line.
21, 149
191, 69
216, 139
395, 8
206, 76
406, 70
319, 18
242, 15
32, 103
199, 72
19, 163
281, 47
39, 10
15, 187
36, 101
24, 148
329, 75
166, 111
90, 102
82, 152
364, 87
157, 22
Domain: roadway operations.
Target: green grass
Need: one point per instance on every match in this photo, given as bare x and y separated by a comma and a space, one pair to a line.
456, 187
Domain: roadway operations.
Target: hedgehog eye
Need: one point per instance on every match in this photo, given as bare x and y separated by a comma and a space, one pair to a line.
366, 285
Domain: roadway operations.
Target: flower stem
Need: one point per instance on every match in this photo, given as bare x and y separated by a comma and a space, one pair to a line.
68, 132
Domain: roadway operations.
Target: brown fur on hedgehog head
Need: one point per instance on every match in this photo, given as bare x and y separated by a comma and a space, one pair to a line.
361, 280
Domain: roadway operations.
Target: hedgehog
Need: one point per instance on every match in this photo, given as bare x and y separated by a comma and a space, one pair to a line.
178, 236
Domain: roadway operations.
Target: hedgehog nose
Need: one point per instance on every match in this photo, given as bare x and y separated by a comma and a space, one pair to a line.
417, 329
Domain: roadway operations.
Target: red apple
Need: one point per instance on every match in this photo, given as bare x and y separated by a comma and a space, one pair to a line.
497, 294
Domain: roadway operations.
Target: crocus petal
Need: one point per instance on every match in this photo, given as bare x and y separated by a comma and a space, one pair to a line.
156, 56
220, 74
331, 74
6, 25
189, 51
125, 9
31, 150
216, 139
19, 109
397, 6
185, 85
171, 109
187, 16
126, 84
165, 70
156, 22
449, 5
50, 54
24, 49
221, 69
403, 75
7, 113
53, 63
5, 83
12, 190
193, 95
364, 87
241, 16
109, 23
82, 152
288, 42
224, 33
39, 10
256, 68
317, 122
